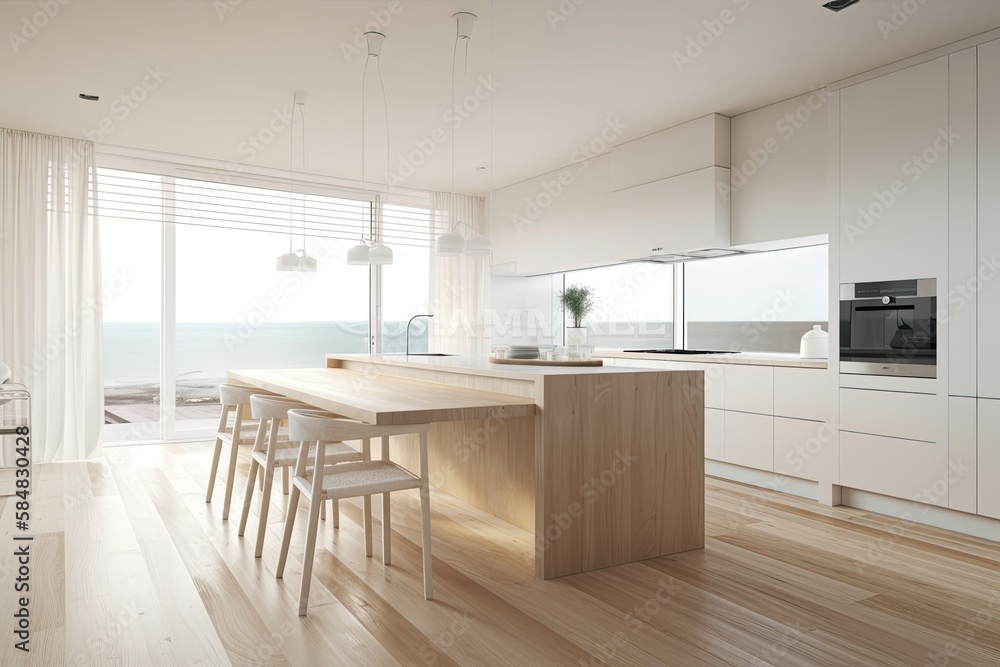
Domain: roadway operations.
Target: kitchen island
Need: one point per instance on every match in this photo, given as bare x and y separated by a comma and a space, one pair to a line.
608, 470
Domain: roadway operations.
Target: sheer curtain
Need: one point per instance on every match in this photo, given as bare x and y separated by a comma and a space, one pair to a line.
50, 283
459, 290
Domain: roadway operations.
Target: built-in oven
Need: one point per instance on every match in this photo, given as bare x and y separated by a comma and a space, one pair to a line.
889, 328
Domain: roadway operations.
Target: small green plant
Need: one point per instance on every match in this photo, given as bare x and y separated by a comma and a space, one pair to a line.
578, 301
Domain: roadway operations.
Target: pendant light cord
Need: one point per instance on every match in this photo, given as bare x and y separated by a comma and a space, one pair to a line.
364, 79
291, 176
385, 111
302, 156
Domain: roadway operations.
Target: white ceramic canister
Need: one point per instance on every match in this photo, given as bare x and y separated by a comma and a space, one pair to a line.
815, 344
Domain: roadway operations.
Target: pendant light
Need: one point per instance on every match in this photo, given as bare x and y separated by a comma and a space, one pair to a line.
370, 251
298, 260
451, 243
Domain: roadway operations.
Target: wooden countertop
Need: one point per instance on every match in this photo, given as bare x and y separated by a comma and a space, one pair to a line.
384, 400
477, 365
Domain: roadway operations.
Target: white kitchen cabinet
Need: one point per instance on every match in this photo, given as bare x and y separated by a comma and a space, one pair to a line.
750, 389
986, 269
960, 328
962, 454
804, 393
715, 434
715, 385
750, 440
892, 414
894, 144
779, 172
804, 449
989, 458
894, 467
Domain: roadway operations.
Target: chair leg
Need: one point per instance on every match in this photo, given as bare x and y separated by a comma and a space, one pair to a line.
425, 529
265, 506
248, 496
286, 536
284, 481
322, 510
425, 517
386, 531
234, 453
215, 470
336, 512
310, 551
368, 526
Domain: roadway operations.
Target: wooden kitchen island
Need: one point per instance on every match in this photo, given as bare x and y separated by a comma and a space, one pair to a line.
607, 468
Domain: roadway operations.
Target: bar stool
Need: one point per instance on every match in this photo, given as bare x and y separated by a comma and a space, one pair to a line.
350, 480
271, 451
235, 399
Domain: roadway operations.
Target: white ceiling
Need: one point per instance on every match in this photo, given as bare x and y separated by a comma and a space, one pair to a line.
559, 80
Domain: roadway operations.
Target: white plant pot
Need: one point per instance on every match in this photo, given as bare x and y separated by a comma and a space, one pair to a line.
576, 337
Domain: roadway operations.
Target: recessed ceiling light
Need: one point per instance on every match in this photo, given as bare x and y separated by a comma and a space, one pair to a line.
480, 168
89, 98
838, 5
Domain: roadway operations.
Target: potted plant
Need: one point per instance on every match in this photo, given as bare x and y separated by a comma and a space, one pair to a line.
578, 301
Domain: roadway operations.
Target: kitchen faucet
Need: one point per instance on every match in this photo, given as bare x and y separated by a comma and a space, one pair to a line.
408, 330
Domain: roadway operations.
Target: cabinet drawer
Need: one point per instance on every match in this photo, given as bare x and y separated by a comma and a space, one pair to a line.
803, 393
805, 449
750, 389
989, 458
892, 414
715, 434
750, 440
900, 468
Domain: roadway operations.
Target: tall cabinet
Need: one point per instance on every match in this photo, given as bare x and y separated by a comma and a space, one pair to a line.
987, 275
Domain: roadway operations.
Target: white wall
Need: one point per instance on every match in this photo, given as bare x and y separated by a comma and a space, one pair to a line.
779, 171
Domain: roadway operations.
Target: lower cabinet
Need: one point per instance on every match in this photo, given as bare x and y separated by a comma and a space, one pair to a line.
750, 440
715, 434
962, 454
989, 457
908, 469
805, 449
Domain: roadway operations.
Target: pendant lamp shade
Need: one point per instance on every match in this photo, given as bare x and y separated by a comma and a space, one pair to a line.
449, 244
478, 246
380, 254
358, 255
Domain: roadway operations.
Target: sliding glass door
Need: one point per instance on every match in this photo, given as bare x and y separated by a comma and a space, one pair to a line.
202, 296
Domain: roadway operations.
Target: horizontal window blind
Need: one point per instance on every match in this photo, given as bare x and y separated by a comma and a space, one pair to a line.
141, 197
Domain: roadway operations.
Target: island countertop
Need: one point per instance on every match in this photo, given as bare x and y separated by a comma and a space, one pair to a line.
473, 365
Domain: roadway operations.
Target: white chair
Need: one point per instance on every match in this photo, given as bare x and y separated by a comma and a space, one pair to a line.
235, 400
350, 480
271, 451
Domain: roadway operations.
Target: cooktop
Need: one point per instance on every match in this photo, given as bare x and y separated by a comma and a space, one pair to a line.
665, 351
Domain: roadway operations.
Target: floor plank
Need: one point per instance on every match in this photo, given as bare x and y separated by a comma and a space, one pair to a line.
131, 566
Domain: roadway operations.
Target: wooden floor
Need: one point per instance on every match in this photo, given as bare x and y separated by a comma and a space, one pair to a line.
131, 567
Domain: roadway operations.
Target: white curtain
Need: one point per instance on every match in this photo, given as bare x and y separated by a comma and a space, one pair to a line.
50, 284
460, 285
